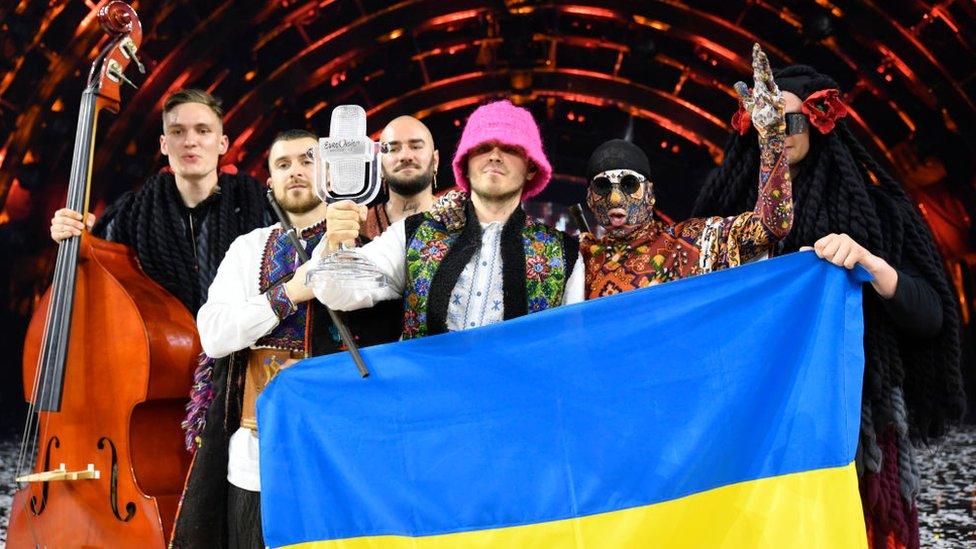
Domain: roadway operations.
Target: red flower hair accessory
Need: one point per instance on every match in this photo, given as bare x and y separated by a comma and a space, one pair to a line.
824, 108
741, 120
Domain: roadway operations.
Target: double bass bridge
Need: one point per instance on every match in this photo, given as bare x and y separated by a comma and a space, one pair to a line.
62, 473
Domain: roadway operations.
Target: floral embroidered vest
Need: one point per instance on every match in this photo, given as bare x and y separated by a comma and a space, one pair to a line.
537, 261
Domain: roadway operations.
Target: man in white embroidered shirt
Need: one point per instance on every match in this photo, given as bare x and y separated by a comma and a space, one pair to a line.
473, 259
259, 318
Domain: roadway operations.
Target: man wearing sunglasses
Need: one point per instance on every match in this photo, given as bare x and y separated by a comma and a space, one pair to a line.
638, 250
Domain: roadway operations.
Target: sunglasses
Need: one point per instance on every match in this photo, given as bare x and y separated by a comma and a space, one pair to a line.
629, 182
796, 123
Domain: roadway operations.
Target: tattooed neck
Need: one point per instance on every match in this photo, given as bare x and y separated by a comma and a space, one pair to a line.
399, 207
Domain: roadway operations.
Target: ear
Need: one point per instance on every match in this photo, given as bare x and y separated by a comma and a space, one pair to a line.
268, 182
224, 143
531, 169
162, 145
437, 159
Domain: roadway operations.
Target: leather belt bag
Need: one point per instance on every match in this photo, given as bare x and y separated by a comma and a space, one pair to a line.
262, 366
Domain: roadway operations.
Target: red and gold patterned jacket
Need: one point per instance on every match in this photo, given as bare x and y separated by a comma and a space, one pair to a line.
658, 252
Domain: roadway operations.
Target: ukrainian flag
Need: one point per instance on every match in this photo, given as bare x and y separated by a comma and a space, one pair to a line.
717, 411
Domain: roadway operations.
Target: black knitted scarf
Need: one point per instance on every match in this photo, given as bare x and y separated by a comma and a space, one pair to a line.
153, 221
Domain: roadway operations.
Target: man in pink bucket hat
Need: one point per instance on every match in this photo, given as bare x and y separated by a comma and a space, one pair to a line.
474, 258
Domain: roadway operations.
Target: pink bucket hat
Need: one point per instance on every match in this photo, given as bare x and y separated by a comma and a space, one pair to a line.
503, 122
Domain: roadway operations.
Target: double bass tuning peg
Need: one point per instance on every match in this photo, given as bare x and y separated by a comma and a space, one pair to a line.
114, 71
129, 50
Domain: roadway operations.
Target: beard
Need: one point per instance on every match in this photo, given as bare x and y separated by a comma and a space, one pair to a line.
410, 186
298, 205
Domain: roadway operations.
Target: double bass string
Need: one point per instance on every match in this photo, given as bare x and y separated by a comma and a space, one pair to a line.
51, 376
56, 320
59, 307
55, 316
53, 328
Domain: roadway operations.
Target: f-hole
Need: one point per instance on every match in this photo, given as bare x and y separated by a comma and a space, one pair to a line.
36, 508
130, 507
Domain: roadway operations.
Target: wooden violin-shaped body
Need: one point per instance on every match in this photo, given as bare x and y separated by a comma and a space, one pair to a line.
108, 364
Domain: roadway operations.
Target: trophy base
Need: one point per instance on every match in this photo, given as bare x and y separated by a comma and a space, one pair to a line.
346, 269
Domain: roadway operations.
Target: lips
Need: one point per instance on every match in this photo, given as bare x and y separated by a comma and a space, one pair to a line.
190, 157
618, 217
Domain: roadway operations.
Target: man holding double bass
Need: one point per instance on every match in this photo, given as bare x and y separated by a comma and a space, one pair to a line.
109, 354
181, 222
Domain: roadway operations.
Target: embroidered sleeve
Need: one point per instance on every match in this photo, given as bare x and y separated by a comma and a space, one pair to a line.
280, 303
731, 241
774, 207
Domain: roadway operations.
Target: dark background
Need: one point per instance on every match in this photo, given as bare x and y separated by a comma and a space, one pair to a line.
657, 72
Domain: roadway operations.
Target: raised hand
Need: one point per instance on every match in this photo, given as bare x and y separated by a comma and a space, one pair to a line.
765, 102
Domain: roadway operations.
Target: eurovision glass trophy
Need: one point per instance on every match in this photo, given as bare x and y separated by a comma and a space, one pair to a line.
347, 167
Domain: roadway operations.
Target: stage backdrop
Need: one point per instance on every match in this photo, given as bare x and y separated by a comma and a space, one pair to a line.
717, 411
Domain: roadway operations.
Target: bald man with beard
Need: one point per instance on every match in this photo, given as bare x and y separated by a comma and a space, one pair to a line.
409, 171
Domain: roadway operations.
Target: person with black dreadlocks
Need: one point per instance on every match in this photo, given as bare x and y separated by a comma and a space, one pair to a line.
851, 211
637, 250
182, 220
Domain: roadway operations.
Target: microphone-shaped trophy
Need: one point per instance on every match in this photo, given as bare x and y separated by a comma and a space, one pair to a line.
347, 167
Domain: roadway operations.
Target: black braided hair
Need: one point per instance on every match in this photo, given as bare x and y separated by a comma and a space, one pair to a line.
152, 220
840, 188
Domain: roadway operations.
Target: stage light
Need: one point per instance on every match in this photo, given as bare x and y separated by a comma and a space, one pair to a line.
654, 24
521, 81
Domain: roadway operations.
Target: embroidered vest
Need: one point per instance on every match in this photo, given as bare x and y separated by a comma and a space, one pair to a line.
308, 331
537, 261
278, 262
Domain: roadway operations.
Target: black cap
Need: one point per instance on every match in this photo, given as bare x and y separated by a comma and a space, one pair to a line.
802, 80
618, 154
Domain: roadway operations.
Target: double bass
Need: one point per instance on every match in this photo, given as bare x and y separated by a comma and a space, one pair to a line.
108, 363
